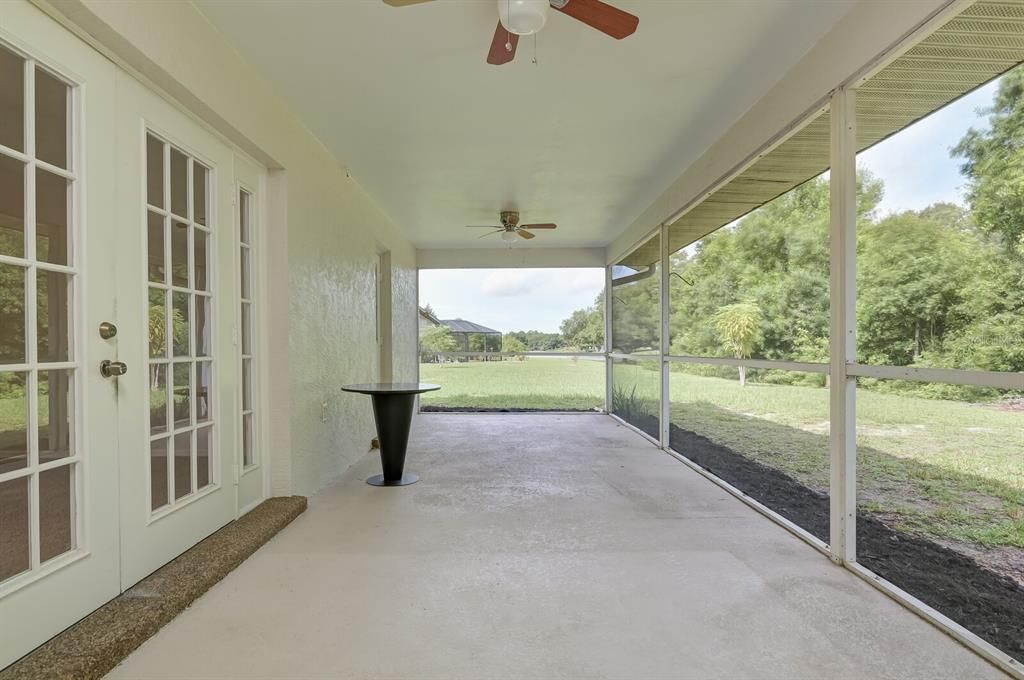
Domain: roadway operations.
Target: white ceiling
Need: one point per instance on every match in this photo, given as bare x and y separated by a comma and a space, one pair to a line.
588, 137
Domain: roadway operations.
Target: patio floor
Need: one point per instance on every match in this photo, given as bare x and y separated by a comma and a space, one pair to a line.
542, 546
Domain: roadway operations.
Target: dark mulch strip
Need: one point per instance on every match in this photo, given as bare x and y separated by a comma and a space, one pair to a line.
96, 644
986, 603
495, 409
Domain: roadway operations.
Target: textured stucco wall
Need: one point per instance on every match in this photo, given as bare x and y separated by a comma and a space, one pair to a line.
324, 237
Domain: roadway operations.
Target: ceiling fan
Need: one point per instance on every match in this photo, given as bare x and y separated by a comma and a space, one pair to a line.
510, 228
526, 17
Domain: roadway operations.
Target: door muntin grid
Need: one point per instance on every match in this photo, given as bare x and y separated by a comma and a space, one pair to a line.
179, 236
247, 326
41, 461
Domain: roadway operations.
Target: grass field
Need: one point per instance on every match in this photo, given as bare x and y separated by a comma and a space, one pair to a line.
539, 383
951, 470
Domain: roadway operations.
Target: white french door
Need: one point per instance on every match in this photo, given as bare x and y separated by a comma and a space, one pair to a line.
119, 245
177, 288
58, 279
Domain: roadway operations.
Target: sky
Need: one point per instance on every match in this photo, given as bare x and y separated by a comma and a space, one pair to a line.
914, 164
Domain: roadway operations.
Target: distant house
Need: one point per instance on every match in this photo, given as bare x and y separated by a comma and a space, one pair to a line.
473, 337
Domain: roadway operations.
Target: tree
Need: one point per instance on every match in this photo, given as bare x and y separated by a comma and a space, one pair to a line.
739, 326
438, 339
994, 166
584, 329
510, 343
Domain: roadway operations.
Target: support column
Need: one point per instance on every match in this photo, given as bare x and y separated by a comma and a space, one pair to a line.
663, 297
843, 341
607, 338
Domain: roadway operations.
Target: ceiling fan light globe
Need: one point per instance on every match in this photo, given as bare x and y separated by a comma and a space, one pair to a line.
523, 17
508, 236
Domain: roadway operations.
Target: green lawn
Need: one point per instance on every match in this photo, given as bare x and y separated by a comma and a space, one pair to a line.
948, 469
540, 383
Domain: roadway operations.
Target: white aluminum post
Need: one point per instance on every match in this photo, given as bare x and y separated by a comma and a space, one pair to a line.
666, 403
607, 339
843, 341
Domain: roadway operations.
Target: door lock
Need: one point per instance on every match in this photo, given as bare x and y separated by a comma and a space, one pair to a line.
107, 330
112, 369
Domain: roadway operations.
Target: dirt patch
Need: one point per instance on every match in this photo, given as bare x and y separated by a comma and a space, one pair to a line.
482, 409
961, 587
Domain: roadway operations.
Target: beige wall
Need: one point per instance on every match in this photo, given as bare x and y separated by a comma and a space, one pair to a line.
324, 237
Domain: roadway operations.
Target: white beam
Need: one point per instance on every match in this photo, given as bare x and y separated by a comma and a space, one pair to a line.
514, 257
663, 297
843, 345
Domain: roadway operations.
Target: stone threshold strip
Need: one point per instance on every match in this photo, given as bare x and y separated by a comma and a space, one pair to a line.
96, 644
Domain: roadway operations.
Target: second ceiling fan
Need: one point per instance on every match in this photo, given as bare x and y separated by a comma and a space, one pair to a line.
526, 17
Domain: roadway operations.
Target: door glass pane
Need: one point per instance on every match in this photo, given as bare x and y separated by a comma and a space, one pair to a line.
51, 119
158, 472
246, 328
246, 384
12, 204
182, 395
12, 314
179, 313
199, 180
157, 322
179, 183
155, 248
179, 254
157, 398
203, 326
199, 244
154, 171
13, 422
204, 379
12, 103
244, 216
56, 520
52, 238
52, 328
246, 275
182, 464
248, 457
55, 414
14, 557
203, 440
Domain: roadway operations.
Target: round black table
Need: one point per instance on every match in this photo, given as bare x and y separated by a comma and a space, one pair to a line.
392, 410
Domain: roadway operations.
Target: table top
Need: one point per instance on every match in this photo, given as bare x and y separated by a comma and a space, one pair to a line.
392, 388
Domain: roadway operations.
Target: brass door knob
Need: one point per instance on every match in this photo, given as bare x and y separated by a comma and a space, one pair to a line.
112, 369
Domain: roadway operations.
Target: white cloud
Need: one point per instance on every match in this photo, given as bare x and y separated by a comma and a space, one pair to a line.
509, 282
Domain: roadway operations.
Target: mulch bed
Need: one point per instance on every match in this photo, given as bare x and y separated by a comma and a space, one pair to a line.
986, 603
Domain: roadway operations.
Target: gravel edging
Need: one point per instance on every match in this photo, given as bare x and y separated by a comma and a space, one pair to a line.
96, 644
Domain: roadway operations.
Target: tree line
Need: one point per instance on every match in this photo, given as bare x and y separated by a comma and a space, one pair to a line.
938, 287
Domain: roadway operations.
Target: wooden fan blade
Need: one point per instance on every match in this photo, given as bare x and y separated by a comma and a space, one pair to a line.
525, 234
546, 225
482, 226
496, 231
603, 17
403, 3
498, 54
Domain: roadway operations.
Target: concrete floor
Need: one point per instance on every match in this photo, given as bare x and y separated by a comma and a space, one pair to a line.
542, 546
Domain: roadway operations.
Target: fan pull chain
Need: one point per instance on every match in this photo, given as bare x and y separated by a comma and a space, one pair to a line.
508, 34
534, 49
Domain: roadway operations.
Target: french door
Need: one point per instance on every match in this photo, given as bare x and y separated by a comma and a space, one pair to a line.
174, 198
120, 407
58, 282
